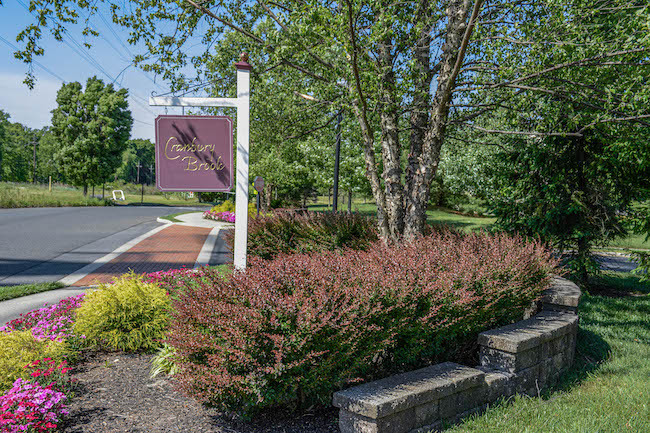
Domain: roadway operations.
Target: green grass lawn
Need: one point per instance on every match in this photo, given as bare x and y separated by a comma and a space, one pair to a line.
19, 195
161, 200
172, 217
11, 292
28, 195
608, 389
630, 242
434, 216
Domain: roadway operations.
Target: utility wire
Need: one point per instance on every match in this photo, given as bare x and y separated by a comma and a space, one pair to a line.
37, 63
15, 48
126, 48
79, 50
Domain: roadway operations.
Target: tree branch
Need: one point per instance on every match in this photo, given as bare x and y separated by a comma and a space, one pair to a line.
227, 23
529, 133
255, 38
286, 29
569, 64
317, 128
616, 119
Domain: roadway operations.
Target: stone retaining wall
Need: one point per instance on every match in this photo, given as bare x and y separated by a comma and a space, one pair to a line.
524, 358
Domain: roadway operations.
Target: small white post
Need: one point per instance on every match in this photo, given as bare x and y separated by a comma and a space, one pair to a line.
243, 133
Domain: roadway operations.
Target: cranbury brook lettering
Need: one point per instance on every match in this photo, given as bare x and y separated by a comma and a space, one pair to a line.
175, 150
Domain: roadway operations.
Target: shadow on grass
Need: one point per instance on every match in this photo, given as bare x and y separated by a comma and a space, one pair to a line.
617, 285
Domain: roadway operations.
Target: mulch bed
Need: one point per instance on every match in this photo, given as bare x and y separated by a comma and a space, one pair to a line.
115, 394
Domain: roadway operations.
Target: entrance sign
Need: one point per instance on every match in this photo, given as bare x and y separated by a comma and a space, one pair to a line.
194, 153
242, 104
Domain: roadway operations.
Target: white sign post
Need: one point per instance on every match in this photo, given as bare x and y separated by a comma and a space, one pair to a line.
242, 104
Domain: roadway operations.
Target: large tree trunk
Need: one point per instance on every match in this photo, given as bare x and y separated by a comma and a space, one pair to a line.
415, 207
85, 190
391, 151
401, 211
423, 167
359, 105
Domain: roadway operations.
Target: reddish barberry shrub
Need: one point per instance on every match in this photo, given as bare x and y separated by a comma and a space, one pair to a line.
305, 232
291, 331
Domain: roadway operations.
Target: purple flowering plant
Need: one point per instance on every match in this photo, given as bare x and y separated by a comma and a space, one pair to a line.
29, 406
219, 216
51, 322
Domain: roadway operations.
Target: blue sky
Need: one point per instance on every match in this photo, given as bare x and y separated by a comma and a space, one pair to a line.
110, 52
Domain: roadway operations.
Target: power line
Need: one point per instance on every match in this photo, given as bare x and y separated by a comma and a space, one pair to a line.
15, 48
79, 50
144, 123
37, 63
119, 40
126, 48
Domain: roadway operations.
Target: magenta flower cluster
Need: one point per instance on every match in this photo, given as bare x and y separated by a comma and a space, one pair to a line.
219, 216
157, 277
52, 322
28, 406
36, 405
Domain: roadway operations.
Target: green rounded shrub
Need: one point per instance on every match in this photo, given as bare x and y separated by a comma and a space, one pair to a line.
129, 314
19, 348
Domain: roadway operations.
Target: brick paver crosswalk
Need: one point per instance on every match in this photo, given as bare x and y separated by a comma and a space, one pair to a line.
174, 247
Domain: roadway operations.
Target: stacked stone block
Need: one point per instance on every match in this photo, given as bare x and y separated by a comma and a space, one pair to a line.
524, 357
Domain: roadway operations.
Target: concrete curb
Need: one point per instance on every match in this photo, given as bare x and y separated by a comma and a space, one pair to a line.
13, 308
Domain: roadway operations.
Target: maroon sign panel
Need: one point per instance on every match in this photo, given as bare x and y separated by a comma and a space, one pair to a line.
194, 153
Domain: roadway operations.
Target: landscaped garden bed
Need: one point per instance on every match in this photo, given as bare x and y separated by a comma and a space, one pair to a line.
285, 335
115, 393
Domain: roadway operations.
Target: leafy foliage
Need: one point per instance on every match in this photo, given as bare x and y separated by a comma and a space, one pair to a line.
128, 314
19, 348
571, 192
289, 332
225, 206
289, 233
16, 150
141, 152
92, 128
164, 361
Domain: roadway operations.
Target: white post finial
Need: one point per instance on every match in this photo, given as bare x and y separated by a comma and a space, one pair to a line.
243, 134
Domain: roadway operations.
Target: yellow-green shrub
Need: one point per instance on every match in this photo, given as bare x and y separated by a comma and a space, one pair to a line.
229, 206
226, 206
126, 315
19, 348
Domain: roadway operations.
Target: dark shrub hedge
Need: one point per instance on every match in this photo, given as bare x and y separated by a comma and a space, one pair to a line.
290, 232
289, 332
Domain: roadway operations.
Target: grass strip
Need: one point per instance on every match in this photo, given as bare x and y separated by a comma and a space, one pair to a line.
11, 292
608, 389
172, 217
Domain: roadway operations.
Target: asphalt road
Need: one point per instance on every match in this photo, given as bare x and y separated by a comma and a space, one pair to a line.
46, 244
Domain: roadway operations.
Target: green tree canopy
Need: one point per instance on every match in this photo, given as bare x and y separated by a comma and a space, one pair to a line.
92, 127
569, 151
17, 143
138, 151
